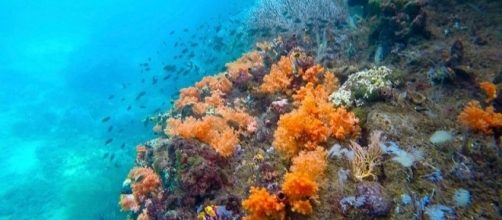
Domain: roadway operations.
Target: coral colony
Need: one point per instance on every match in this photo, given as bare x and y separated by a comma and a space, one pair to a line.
282, 134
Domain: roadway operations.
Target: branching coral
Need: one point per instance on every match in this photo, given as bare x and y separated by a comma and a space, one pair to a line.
144, 181
262, 205
279, 77
477, 119
366, 159
490, 90
128, 203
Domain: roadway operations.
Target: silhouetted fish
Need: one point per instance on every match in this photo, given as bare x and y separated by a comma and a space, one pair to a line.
142, 106
166, 77
184, 51
185, 30
122, 146
111, 97
110, 128
105, 119
129, 108
112, 156
171, 33
169, 68
105, 156
108, 141
141, 94
154, 80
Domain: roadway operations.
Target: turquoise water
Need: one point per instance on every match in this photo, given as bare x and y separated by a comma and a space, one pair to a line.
66, 65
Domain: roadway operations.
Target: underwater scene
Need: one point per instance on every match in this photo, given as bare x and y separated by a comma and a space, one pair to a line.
251, 109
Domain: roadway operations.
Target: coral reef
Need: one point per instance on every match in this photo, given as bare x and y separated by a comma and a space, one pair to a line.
353, 123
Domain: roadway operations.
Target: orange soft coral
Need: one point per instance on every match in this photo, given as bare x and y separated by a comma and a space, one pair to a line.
210, 129
128, 203
301, 183
312, 124
312, 73
490, 90
311, 163
188, 96
262, 205
213, 83
242, 65
279, 77
477, 119
144, 181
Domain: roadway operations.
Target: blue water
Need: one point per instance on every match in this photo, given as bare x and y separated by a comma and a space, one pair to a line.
60, 63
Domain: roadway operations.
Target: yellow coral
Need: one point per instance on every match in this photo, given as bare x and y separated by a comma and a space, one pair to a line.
366, 159
477, 119
262, 205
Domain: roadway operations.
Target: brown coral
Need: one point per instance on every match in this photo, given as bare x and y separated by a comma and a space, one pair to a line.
477, 119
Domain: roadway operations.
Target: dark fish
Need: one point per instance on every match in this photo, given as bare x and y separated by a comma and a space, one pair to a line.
112, 156
297, 20
194, 44
122, 99
171, 33
191, 55
108, 141
111, 97
166, 77
122, 146
170, 68
142, 80
147, 69
139, 178
121, 130
184, 51
185, 30
141, 94
142, 106
154, 80
110, 128
129, 108
105, 156
217, 28
105, 119
116, 165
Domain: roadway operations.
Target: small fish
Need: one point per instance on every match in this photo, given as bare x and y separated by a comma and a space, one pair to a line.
129, 108
121, 130
139, 178
194, 44
184, 51
122, 146
185, 30
111, 97
105, 156
122, 99
154, 80
166, 77
108, 141
105, 119
171, 33
116, 165
112, 156
142, 106
110, 128
141, 94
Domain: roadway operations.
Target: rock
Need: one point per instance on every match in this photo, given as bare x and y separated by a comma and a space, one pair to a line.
376, 202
